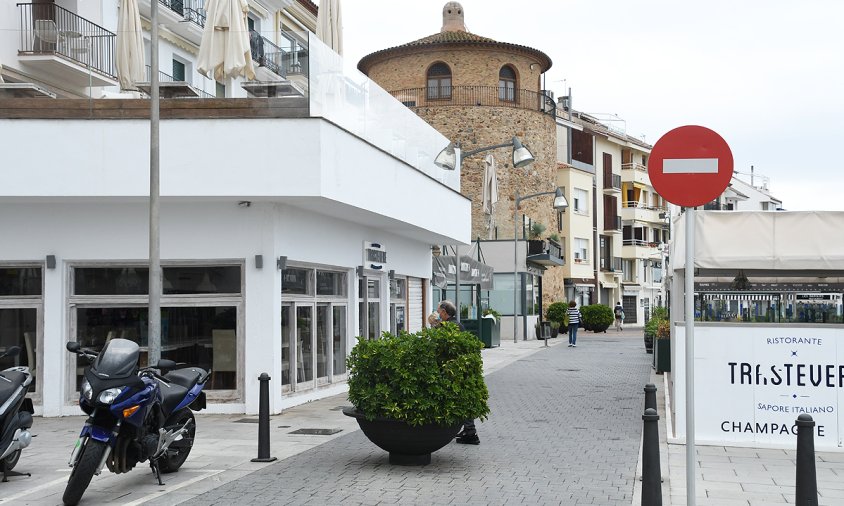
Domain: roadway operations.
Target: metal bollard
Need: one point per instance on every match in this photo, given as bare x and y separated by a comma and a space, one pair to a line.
807, 481
650, 396
651, 473
264, 420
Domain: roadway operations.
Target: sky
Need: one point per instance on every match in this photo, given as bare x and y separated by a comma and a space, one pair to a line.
767, 75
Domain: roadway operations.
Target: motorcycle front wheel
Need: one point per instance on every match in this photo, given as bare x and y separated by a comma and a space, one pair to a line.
83, 471
178, 452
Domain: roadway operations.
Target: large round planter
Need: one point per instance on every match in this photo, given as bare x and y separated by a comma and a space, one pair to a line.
408, 445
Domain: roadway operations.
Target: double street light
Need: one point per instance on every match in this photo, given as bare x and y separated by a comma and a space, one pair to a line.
451, 158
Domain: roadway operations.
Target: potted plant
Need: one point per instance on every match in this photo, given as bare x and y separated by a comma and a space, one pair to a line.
662, 347
491, 328
658, 314
557, 312
555, 328
536, 246
596, 317
412, 392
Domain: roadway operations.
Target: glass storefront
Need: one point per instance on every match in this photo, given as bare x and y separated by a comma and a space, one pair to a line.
313, 327
200, 307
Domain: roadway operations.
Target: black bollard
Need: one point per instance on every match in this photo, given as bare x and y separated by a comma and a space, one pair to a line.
264, 420
650, 396
807, 480
651, 473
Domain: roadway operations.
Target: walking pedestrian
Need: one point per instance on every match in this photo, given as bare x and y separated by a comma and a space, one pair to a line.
574, 323
619, 316
469, 434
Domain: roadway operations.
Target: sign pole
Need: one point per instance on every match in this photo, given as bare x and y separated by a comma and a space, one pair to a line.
689, 279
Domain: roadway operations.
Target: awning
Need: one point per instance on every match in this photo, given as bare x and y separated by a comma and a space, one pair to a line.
608, 285
472, 272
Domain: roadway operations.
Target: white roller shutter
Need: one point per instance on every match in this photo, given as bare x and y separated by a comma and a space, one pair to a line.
414, 304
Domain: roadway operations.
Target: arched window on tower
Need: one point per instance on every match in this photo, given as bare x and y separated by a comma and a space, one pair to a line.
507, 84
439, 81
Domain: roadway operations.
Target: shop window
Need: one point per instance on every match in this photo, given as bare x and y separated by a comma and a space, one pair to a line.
20, 281
439, 81
313, 327
200, 331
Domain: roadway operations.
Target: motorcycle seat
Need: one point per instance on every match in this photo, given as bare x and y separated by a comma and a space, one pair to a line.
186, 376
171, 396
10, 382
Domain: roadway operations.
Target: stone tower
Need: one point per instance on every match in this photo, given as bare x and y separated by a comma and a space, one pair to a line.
481, 92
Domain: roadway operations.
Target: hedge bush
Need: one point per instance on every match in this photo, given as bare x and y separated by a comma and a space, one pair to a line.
434, 376
597, 317
558, 312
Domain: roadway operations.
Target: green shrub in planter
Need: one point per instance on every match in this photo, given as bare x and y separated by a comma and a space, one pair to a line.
558, 312
434, 376
597, 317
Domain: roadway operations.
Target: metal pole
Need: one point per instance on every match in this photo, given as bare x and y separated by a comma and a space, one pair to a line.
459, 163
690, 356
515, 266
154, 330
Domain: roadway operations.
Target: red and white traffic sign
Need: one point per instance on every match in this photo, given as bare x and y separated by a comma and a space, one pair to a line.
690, 166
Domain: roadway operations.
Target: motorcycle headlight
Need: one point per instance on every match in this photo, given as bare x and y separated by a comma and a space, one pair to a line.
87, 391
108, 395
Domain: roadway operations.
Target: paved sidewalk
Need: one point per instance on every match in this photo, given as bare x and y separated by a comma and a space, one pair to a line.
565, 429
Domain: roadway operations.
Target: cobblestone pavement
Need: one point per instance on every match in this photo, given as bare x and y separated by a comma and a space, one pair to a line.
564, 429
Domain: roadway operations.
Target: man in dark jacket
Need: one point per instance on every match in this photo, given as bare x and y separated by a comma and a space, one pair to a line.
448, 313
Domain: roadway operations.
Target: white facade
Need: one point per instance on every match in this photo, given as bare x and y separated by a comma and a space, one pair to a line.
268, 227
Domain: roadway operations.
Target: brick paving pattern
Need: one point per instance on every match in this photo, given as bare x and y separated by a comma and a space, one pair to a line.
564, 429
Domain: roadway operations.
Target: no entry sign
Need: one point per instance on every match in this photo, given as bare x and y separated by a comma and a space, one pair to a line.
690, 166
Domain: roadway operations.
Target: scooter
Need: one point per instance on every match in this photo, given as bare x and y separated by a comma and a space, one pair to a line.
134, 414
15, 414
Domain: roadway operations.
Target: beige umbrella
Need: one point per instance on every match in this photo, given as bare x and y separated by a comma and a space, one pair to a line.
130, 46
330, 25
490, 193
224, 49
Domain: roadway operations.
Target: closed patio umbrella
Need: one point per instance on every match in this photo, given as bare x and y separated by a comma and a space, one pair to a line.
130, 46
330, 25
224, 49
490, 193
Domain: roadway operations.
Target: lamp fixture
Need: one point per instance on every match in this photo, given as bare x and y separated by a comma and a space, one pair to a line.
451, 158
51, 261
281, 263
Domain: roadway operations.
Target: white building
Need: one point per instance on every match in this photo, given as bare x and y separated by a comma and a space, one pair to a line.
288, 228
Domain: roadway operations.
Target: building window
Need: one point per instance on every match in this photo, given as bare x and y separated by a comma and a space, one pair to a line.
314, 322
398, 305
581, 250
21, 306
580, 201
507, 84
200, 315
369, 307
629, 269
178, 70
439, 81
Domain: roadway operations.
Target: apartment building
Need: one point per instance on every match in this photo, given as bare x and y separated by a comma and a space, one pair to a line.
282, 236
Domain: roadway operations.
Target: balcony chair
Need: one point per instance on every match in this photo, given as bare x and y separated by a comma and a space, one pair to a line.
47, 34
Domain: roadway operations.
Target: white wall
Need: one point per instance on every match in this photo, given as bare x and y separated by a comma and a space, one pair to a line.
197, 230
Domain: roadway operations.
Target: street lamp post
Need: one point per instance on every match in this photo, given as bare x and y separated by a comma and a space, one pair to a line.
451, 158
560, 203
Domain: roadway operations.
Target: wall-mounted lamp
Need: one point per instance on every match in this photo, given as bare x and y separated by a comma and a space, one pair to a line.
51, 261
259, 261
391, 274
244, 203
359, 271
281, 263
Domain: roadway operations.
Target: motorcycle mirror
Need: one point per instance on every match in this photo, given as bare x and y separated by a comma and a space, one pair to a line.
165, 365
73, 346
11, 351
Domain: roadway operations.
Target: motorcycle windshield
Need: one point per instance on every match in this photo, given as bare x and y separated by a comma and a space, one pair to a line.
118, 359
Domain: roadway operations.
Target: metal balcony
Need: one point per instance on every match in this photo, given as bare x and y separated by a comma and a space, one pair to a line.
65, 46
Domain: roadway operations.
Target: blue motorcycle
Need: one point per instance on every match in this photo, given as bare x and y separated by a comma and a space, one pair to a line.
134, 414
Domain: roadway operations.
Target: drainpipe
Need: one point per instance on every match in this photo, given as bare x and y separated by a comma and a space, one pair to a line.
595, 243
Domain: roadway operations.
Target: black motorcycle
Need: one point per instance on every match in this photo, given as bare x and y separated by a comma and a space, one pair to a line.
15, 414
134, 414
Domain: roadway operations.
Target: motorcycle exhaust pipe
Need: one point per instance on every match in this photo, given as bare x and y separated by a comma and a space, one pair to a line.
20, 440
